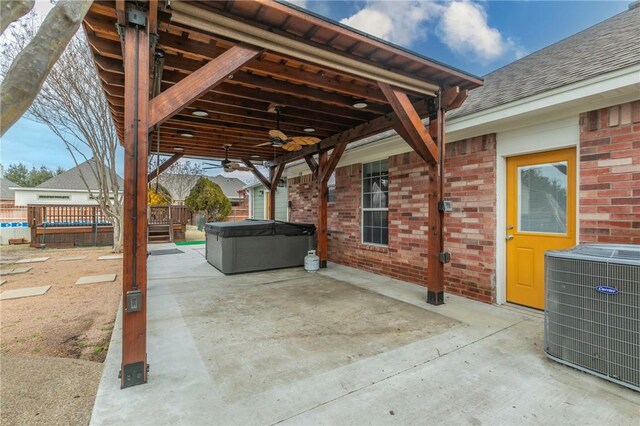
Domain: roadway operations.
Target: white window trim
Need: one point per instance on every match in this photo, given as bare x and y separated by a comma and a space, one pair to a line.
362, 208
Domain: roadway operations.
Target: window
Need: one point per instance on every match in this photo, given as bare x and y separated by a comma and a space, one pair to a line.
331, 188
54, 197
542, 198
375, 203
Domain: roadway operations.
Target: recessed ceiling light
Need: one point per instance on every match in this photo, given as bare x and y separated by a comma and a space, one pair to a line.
309, 129
178, 148
255, 156
185, 133
360, 105
199, 113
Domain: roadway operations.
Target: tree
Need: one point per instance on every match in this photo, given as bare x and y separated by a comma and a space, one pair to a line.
179, 179
158, 197
20, 174
208, 197
72, 104
30, 67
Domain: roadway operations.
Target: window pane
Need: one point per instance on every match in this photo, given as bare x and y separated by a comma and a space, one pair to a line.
385, 236
542, 198
366, 170
366, 201
367, 235
368, 218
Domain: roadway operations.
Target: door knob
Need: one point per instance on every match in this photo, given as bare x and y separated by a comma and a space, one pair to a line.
509, 237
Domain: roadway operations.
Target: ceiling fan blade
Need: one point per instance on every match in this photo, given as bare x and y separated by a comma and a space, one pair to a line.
291, 146
277, 134
305, 140
243, 169
262, 144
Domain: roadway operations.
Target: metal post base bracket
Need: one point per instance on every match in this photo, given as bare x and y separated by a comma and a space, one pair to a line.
435, 298
133, 374
323, 264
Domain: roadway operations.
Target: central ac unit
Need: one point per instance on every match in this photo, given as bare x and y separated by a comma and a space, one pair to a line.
592, 310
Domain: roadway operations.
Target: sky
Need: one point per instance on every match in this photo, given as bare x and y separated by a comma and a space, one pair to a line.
475, 36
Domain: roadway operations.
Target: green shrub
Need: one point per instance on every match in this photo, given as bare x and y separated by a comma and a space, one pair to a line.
208, 197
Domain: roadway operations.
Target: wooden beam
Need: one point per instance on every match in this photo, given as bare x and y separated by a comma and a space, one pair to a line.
410, 120
266, 182
194, 85
164, 166
136, 144
275, 173
322, 226
333, 161
435, 219
121, 12
313, 165
375, 126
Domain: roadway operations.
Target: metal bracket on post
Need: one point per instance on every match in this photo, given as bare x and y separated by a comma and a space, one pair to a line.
137, 18
435, 298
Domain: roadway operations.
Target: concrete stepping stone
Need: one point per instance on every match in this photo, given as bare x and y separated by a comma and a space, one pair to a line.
24, 292
94, 279
15, 271
69, 258
111, 257
32, 260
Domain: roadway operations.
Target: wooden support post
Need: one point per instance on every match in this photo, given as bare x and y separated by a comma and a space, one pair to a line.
136, 144
435, 244
275, 173
323, 194
313, 165
164, 166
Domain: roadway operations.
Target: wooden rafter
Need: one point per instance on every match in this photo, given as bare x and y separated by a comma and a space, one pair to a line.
164, 166
266, 182
410, 121
193, 86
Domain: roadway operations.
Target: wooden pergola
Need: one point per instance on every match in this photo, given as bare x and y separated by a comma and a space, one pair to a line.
186, 78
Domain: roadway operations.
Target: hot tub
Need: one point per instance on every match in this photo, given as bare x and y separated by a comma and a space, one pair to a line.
257, 245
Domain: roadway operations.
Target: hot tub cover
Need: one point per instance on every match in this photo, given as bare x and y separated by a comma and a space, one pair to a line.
255, 228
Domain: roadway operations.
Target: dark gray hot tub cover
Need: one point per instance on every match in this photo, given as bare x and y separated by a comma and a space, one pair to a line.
255, 228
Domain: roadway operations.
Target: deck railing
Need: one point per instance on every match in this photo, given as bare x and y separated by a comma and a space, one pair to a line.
66, 216
165, 215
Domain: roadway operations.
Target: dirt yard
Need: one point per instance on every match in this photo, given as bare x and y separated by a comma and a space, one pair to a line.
69, 321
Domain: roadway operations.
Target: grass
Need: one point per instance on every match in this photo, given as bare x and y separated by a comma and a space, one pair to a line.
189, 243
100, 348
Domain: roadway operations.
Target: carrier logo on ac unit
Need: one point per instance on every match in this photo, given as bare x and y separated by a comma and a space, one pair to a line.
605, 289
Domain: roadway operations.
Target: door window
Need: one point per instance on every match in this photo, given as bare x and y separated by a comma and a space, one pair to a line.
542, 198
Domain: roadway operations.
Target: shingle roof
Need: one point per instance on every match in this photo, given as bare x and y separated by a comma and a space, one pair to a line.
71, 179
605, 47
5, 192
229, 185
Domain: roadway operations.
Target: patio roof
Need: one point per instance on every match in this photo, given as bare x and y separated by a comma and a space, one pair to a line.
316, 69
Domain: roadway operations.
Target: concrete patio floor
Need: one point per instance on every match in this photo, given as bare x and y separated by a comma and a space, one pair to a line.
340, 346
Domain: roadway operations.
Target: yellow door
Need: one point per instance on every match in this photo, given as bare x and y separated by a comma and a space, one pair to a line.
541, 216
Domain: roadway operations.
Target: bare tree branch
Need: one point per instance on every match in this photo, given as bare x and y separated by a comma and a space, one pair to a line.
72, 104
12, 10
30, 68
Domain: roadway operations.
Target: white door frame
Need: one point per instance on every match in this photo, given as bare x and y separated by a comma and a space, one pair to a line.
547, 136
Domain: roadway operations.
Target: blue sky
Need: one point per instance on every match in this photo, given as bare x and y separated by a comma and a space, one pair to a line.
477, 37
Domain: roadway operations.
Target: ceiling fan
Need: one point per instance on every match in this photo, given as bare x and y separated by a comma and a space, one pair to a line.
227, 165
278, 139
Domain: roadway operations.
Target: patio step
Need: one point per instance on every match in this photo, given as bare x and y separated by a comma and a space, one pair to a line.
159, 234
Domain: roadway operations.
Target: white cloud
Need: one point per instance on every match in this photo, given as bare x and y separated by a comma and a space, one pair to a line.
399, 22
465, 30
461, 25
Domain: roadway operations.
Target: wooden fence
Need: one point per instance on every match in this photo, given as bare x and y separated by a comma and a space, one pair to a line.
70, 226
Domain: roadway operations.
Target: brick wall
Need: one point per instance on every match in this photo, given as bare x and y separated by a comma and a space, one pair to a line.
610, 175
469, 229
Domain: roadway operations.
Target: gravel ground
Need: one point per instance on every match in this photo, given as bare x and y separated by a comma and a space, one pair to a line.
41, 390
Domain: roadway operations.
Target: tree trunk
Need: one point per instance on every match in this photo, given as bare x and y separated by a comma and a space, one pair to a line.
12, 10
117, 235
32, 65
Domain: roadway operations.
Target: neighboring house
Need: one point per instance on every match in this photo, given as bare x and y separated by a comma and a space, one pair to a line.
544, 156
67, 188
258, 202
13, 220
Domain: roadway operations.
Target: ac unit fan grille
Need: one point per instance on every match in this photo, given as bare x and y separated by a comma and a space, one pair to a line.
589, 329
